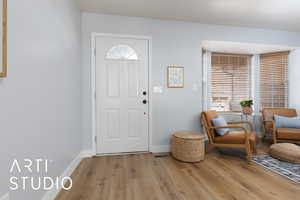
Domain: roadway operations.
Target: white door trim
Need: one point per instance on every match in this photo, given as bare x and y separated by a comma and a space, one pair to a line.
94, 35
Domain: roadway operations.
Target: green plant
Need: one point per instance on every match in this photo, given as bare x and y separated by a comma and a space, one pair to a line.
246, 103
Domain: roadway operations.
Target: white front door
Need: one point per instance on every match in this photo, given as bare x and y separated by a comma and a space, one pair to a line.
121, 95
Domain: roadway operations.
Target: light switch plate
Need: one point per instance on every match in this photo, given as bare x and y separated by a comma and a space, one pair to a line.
157, 89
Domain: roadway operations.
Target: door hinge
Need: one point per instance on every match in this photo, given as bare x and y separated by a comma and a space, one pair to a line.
95, 139
95, 51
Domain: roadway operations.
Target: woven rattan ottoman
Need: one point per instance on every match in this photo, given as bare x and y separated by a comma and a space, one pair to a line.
188, 146
286, 152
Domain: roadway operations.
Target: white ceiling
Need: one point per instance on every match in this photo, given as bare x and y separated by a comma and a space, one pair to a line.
242, 48
274, 14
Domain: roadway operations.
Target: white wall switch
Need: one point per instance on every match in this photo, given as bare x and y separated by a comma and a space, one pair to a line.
157, 89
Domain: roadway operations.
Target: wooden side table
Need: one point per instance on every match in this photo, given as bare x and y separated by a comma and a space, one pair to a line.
188, 146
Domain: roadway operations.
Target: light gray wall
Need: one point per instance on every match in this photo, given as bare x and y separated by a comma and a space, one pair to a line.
294, 75
40, 100
174, 43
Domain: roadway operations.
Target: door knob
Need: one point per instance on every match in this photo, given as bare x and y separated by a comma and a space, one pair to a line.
145, 101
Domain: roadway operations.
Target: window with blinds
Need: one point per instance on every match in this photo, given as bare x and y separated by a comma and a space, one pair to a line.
274, 80
230, 81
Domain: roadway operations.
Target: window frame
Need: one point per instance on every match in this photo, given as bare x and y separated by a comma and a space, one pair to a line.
255, 66
208, 72
287, 98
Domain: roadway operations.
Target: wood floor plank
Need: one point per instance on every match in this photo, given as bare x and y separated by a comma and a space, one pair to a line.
222, 176
188, 186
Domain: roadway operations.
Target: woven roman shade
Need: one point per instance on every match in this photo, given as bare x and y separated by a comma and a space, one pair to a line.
274, 80
230, 81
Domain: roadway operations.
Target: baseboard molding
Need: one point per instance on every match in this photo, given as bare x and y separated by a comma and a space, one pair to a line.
86, 153
160, 148
51, 194
5, 197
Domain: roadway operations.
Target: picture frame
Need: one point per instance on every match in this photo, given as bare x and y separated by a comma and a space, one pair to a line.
3, 42
175, 77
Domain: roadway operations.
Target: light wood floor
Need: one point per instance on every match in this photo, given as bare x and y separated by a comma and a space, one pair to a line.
221, 176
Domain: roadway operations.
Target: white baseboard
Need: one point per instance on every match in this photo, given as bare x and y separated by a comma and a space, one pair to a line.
5, 197
86, 153
51, 194
160, 148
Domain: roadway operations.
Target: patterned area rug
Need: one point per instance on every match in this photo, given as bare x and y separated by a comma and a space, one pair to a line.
289, 170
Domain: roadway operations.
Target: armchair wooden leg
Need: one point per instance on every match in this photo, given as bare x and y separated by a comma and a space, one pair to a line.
249, 153
254, 150
210, 147
274, 137
274, 140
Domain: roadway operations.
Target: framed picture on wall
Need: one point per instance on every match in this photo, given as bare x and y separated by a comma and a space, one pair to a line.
3, 41
175, 77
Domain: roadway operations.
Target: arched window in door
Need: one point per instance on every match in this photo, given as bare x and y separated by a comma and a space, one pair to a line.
122, 52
